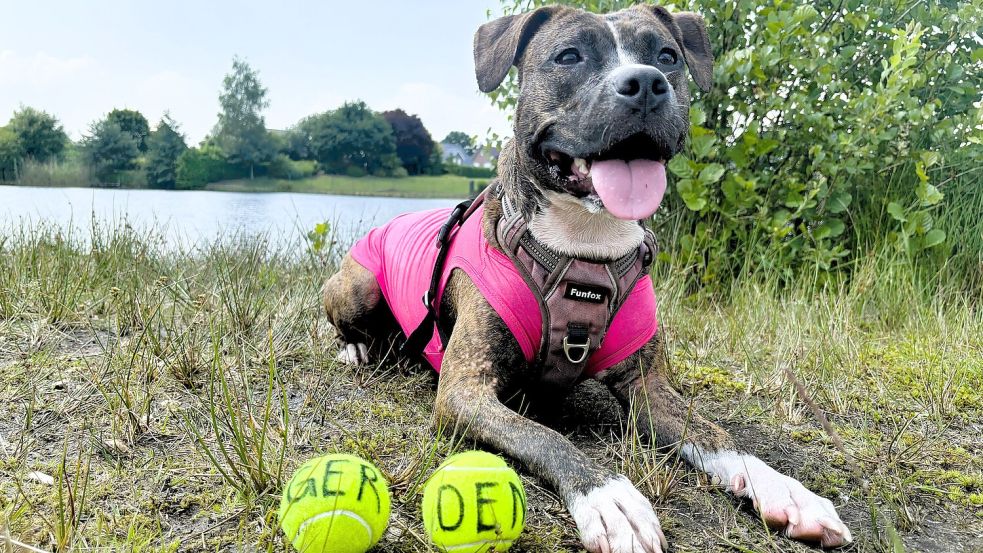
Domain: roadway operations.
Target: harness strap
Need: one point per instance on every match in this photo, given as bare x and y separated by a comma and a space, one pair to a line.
418, 339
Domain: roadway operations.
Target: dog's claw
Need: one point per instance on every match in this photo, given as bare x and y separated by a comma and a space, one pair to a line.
617, 518
829, 532
354, 354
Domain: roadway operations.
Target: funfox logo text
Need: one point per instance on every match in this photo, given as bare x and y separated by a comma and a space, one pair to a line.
583, 292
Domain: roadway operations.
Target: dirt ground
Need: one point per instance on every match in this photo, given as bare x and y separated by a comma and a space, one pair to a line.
164, 413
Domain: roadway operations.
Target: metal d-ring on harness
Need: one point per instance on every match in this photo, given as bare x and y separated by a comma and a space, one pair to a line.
577, 298
577, 339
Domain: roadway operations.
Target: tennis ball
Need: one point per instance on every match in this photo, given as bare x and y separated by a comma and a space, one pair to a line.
335, 504
472, 503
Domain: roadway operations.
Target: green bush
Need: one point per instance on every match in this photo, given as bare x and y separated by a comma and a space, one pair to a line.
470, 172
197, 167
827, 135
282, 167
355, 171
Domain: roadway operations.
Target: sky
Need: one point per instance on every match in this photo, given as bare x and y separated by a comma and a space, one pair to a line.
79, 60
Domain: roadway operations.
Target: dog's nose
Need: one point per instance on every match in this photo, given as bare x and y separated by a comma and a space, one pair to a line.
640, 86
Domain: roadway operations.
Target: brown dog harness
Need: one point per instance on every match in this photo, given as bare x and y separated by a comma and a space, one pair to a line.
577, 298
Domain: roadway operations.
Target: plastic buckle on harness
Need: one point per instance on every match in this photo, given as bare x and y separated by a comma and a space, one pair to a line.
577, 338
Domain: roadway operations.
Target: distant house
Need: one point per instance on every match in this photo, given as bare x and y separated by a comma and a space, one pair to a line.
458, 155
454, 153
486, 157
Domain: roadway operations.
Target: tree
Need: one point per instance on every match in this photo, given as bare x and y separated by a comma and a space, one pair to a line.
461, 139
164, 146
10, 155
352, 139
40, 135
414, 145
297, 144
241, 131
109, 149
133, 122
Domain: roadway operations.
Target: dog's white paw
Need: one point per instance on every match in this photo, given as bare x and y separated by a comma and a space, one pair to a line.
782, 501
353, 354
617, 518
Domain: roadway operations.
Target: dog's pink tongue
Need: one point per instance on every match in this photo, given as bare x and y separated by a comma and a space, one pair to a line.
630, 190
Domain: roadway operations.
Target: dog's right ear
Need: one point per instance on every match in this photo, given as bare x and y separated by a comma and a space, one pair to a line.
498, 45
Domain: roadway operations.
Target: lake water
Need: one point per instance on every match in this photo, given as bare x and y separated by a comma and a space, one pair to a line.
190, 218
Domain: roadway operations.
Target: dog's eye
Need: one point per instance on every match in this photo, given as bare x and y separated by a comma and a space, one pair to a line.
667, 57
569, 56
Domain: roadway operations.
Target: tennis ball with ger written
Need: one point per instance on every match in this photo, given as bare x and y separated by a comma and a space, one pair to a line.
335, 504
472, 503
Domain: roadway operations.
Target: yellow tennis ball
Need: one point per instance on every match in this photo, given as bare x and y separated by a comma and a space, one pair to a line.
335, 504
473, 503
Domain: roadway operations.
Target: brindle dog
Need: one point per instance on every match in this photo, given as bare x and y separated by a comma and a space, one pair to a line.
591, 88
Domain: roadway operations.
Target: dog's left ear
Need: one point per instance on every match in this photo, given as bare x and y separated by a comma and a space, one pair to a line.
696, 47
498, 45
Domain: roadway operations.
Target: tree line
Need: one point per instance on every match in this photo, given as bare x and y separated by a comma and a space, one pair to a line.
122, 149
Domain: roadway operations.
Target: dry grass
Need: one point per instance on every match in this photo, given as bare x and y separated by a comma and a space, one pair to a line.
169, 395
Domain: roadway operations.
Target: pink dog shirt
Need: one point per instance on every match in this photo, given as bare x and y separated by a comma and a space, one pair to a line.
402, 253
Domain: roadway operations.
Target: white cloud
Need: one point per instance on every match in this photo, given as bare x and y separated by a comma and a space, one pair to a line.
286, 112
192, 104
80, 90
40, 69
62, 86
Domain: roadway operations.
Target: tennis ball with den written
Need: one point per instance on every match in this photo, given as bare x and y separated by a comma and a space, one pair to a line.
474, 502
337, 503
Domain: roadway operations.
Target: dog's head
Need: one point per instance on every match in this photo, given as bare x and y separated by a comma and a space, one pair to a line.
603, 99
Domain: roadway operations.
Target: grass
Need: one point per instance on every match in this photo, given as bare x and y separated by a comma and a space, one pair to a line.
168, 395
444, 186
69, 173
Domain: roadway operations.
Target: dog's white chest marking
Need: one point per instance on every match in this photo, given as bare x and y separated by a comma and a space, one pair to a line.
570, 227
617, 518
781, 500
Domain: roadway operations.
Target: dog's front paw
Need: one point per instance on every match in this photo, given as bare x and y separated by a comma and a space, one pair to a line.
353, 354
617, 518
784, 502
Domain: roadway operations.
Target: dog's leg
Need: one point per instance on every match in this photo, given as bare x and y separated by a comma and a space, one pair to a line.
354, 304
660, 412
481, 359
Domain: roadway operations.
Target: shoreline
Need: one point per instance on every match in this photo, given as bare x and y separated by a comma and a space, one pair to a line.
423, 187
443, 186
